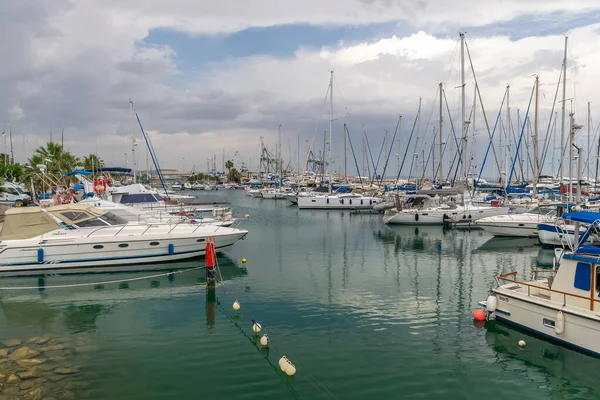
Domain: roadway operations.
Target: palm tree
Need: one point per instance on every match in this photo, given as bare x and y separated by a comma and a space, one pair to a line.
92, 162
56, 161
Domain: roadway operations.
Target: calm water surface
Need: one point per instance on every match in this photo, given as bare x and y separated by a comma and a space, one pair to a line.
363, 311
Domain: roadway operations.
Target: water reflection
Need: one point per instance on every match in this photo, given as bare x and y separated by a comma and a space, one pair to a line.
567, 373
56, 305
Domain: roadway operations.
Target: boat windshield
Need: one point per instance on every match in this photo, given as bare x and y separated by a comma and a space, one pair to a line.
107, 219
543, 210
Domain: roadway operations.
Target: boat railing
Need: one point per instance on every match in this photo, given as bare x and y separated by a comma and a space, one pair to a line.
511, 277
150, 225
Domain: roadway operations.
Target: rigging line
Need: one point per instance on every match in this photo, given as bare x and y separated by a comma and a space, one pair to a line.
522, 130
487, 125
378, 158
101, 283
316, 127
552, 114
390, 149
353, 155
489, 144
407, 147
551, 125
458, 150
371, 155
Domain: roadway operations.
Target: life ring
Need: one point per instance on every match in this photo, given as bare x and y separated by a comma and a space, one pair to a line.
64, 197
417, 217
99, 187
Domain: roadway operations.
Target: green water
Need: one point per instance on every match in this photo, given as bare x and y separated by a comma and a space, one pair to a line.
362, 310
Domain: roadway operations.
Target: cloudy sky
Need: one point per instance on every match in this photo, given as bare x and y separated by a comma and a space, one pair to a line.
206, 76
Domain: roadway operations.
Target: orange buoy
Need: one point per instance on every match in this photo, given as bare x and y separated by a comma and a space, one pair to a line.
479, 315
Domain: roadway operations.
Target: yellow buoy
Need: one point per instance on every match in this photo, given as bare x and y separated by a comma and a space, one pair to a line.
236, 305
243, 261
283, 363
522, 343
247, 217
264, 341
256, 327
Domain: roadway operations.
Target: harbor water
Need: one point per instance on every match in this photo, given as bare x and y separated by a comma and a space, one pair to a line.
363, 310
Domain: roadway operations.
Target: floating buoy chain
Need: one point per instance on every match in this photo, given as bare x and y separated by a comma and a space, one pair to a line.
289, 368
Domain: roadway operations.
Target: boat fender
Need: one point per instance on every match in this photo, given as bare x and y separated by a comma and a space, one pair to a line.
464, 216
171, 249
40, 254
559, 325
470, 216
417, 217
492, 302
446, 218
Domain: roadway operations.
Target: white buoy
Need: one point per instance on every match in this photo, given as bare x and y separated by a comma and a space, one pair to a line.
491, 303
290, 369
256, 327
522, 343
282, 363
236, 305
559, 325
264, 341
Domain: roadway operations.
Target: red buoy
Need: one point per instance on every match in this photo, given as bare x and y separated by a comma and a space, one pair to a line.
479, 315
210, 254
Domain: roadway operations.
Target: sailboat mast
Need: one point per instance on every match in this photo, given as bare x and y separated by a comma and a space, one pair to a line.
588, 151
535, 137
440, 140
330, 127
280, 160
507, 133
345, 156
462, 106
562, 125
133, 144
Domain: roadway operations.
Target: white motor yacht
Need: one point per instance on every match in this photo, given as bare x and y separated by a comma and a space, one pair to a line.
421, 210
348, 201
76, 236
518, 225
560, 304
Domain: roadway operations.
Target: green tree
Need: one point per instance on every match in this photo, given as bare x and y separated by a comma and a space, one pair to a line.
234, 175
92, 162
55, 161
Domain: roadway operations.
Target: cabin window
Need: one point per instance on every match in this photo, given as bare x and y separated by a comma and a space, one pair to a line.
123, 245
597, 279
350, 201
583, 273
154, 243
549, 323
200, 240
342, 201
361, 202
98, 247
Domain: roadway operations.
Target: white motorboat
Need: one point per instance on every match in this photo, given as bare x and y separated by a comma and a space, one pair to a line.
254, 192
518, 225
75, 236
555, 234
274, 194
559, 304
420, 210
349, 201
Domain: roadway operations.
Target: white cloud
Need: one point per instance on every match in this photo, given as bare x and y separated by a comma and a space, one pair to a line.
75, 65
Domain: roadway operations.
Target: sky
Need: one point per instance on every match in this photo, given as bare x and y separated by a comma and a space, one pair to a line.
213, 78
